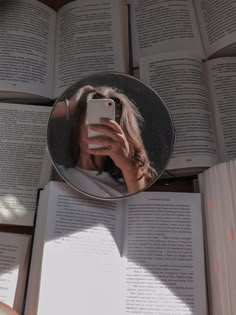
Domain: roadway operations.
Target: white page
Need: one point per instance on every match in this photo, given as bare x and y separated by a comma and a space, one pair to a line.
180, 81
81, 252
22, 142
89, 40
217, 23
13, 248
32, 290
164, 26
165, 255
27, 47
222, 87
22, 278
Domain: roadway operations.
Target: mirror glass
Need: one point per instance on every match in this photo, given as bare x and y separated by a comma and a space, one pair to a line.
133, 140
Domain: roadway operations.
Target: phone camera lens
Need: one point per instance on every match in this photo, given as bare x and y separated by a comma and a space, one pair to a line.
109, 103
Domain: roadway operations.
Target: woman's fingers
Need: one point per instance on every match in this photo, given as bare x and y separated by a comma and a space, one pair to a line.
104, 141
107, 131
113, 141
109, 146
100, 151
112, 124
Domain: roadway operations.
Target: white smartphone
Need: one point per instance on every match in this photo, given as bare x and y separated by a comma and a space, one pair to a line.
96, 109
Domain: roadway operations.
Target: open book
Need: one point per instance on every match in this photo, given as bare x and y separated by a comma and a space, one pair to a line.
140, 255
201, 27
86, 37
14, 250
43, 52
218, 187
201, 98
24, 164
136, 256
170, 42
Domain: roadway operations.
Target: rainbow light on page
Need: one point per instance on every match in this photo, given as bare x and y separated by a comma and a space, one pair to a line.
231, 235
217, 266
211, 204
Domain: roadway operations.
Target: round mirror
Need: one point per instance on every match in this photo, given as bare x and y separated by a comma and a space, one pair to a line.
110, 135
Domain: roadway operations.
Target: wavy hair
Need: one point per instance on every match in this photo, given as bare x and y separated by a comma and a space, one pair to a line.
130, 120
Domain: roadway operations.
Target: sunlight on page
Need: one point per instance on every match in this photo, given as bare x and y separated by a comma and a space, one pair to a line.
142, 291
13, 252
87, 264
95, 240
10, 207
8, 281
14, 211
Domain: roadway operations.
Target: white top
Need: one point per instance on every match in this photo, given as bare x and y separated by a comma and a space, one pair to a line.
89, 181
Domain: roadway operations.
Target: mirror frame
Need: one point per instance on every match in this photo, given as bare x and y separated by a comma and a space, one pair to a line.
133, 88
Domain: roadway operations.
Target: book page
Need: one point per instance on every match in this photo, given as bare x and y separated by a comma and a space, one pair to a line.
217, 24
222, 83
229, 51
217, 186
89, 40
180, 81
33, 285
164, 26
22, 142
225, 200
165, 255
81, 244
27, 47
212, 230
13, 249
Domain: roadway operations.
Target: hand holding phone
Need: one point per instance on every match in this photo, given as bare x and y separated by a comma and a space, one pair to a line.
97, 109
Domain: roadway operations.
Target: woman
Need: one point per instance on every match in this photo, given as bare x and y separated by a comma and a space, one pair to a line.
121, 165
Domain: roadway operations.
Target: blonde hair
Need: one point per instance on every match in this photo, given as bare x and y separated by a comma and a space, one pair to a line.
129, 119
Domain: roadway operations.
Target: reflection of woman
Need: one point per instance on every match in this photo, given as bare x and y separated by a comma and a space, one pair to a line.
121, 165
